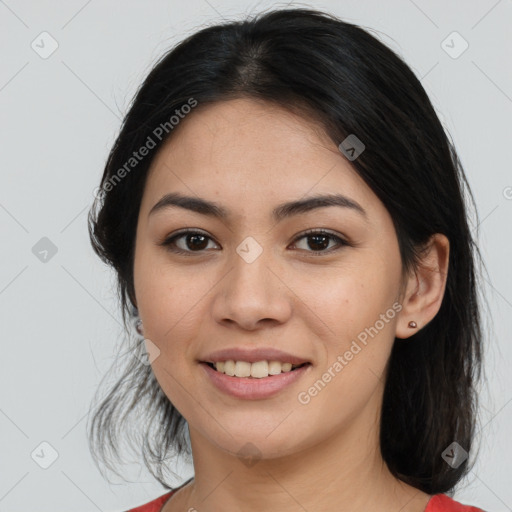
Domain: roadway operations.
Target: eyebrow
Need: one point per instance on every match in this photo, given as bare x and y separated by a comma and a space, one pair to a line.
282, 211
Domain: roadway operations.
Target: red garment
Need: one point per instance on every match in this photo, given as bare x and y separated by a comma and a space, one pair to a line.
443, 503
437, 503
153, 506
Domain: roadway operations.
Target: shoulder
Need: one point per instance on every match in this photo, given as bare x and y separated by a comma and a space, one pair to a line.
443, 503
153, 506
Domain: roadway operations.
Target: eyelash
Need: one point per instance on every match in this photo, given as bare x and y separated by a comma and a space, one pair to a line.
169, 243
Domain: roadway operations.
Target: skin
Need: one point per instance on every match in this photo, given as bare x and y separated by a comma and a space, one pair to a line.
249, 157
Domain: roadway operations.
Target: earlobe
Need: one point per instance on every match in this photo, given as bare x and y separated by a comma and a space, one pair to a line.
406, 326
425, 288
139, 328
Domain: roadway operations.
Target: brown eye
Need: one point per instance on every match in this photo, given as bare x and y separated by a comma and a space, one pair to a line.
318, 241
195, 241
187, 242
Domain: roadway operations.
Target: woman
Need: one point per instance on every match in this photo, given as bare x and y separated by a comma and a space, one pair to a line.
286, 217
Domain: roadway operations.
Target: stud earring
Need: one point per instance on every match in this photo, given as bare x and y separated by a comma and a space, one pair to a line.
138, 327
412, 324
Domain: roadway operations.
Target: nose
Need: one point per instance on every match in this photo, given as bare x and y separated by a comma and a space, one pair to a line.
252, 295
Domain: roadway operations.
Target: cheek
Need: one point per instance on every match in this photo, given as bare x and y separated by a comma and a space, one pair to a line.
171, 302
155, 282
346, 298
354, 317
169, 306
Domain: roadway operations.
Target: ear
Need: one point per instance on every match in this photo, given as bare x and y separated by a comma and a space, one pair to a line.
425, 287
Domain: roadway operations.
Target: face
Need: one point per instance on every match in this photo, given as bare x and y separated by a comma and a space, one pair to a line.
316, 296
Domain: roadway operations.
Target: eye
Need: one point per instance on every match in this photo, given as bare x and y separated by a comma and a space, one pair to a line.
319, 241
191, 241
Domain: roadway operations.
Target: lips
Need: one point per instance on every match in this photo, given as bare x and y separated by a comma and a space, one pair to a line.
252, 356
251, 388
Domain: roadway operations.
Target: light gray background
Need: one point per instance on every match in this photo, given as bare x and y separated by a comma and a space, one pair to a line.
59, 116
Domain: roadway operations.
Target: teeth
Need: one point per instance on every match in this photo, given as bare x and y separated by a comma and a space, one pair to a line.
242, 369
257, 370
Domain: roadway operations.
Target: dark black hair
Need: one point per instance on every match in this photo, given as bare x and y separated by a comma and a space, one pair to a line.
340, 76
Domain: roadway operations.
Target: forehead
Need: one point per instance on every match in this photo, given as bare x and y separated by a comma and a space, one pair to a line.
243, 131
242, 152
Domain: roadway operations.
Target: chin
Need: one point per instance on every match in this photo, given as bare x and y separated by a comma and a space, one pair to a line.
264, 443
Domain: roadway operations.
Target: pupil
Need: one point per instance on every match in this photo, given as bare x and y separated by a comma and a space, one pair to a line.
200, 246
316, 237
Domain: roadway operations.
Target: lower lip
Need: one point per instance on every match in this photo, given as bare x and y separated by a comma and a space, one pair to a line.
252, 388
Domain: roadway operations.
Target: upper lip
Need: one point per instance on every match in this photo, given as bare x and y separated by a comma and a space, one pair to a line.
252, 355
